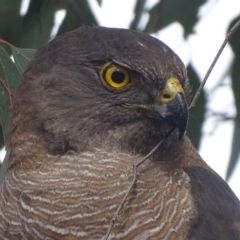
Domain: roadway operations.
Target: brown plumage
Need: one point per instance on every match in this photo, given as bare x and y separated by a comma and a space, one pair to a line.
91, 104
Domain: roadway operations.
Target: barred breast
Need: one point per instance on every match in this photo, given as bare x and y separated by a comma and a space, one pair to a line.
75, 197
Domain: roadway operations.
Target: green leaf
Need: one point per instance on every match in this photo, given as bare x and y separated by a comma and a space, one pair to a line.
3, 167
78, 13
37, 23
235, 78
99, 2
166, 12
83, 11
138, 11
70, 22
22, 56
235, 152
11, 76
11, 21
1, 138
196, 115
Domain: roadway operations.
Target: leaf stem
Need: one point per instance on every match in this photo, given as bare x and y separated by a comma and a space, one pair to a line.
10, 94
6, 43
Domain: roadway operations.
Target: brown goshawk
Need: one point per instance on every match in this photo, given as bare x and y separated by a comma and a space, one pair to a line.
92, 103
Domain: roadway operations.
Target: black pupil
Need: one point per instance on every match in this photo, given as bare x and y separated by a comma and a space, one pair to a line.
118, 77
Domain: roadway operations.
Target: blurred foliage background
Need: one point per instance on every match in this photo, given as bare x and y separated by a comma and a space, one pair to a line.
33, 29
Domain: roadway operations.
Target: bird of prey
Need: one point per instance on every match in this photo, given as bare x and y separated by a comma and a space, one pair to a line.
92, 103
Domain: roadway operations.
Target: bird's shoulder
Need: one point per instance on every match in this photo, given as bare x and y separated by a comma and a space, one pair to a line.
218, 208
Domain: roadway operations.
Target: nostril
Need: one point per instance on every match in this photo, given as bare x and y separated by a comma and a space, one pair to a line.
166, 96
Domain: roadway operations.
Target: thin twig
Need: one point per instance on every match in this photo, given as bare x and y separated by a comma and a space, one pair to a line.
229, 35
135, 166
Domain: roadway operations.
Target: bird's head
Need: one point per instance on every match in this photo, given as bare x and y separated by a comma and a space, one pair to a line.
102, 87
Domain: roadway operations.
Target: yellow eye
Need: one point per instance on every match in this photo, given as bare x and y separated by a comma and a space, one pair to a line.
115, 76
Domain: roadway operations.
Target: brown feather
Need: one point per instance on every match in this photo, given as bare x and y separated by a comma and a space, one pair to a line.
218, 209
73, 144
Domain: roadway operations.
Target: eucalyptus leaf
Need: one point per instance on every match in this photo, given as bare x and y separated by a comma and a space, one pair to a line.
10, 21
22, 56
37, 23
166, 12
11, 77
196, 116
3, 166
234, 43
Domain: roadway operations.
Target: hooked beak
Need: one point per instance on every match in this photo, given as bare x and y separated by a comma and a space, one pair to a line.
173, 107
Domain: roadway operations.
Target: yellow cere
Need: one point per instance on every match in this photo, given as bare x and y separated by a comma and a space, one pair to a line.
170, 90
